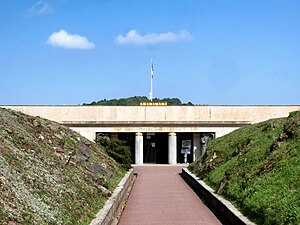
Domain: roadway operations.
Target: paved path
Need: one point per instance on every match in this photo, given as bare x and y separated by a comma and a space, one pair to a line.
161, 197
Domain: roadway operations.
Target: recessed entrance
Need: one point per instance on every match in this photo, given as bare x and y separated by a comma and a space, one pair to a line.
155, 148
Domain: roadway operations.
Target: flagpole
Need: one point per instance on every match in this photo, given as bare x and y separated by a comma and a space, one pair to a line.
151, 81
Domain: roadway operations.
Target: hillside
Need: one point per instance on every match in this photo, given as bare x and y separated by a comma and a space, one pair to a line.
136, 100
257, 168
50, 174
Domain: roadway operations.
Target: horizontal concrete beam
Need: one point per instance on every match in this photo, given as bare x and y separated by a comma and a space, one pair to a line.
89, 120
253, 114
221, 207
155, 123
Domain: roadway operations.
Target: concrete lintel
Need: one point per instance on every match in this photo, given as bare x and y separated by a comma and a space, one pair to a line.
155, 123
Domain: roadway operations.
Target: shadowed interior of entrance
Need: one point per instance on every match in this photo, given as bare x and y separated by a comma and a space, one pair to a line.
156, 148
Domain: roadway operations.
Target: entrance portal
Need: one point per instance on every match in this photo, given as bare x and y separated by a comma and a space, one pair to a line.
156, 148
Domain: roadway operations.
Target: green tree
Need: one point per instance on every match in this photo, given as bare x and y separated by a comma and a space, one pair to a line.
116, 149
136, 100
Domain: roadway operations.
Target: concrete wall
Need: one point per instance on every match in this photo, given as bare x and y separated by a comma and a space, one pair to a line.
222, 208
88, 120
252, 114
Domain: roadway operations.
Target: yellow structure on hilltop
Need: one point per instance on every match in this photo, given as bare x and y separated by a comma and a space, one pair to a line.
153, 103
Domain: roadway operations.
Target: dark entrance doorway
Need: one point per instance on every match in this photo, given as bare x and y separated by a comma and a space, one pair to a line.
156, 148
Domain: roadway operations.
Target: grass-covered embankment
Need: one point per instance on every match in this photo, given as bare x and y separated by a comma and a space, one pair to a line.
257, 168
50, 174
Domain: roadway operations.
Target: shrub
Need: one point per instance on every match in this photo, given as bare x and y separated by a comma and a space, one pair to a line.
116, 149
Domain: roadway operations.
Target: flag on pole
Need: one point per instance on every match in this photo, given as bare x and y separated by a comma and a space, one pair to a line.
152, 71
151, 80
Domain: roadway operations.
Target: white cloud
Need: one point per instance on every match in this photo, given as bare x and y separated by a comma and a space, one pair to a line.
134, 38
63, 39
40, 8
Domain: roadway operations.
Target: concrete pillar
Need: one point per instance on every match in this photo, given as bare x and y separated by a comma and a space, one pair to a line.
172, 156
197, 149
139, 148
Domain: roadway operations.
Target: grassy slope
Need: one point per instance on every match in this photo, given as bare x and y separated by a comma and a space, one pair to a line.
257, 168
37, 183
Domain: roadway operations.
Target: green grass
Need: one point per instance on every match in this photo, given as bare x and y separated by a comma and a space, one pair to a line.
98, 203
257, 168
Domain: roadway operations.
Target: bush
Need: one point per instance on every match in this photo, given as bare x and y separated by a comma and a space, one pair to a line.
116, 149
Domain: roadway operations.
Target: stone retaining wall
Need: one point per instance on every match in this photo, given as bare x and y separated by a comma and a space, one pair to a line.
222, 208
112, 210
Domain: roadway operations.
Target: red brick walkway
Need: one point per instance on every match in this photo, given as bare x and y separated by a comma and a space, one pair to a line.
161, 197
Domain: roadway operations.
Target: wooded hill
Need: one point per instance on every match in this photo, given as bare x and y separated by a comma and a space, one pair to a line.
136, 100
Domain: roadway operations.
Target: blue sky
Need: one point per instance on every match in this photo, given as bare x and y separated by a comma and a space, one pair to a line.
206, 52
